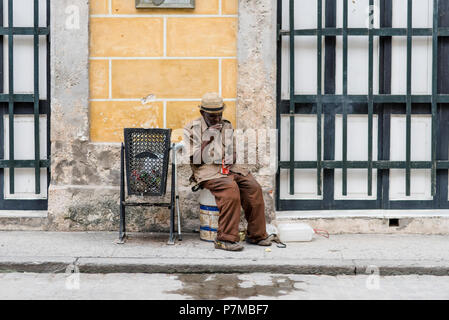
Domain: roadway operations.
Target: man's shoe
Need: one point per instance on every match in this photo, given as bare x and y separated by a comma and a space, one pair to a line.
228, 245
264, 242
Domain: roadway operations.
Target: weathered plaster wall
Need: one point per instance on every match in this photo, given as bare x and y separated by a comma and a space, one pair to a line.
82, 173
84, 191
418, 225
172, 55
256, 84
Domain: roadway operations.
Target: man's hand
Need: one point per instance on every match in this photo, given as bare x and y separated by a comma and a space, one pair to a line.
217, 126
212, 131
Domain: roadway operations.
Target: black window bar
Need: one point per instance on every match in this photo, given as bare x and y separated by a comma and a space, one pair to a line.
383, 104
14, 104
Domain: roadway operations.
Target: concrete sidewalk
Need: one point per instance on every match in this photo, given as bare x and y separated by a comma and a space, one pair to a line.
98, 252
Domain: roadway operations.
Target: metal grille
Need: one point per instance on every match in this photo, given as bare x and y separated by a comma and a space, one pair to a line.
12, 103
147, 155
326, 103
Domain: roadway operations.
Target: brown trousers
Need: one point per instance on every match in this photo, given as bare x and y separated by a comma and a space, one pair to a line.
230, 193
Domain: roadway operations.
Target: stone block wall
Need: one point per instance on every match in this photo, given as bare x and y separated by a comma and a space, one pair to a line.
172, 55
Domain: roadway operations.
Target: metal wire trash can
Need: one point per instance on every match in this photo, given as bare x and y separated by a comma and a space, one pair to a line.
146, 154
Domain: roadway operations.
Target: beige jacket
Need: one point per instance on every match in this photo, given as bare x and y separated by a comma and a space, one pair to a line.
207, 166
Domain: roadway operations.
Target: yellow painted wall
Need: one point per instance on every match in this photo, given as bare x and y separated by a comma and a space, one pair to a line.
175, 54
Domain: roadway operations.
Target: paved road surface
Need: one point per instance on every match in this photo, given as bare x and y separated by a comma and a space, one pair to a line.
219, 286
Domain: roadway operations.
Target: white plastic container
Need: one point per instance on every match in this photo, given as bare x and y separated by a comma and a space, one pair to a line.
209, 214
295, 232
207, 198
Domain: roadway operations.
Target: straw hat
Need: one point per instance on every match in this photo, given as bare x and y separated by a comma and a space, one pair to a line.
211, 102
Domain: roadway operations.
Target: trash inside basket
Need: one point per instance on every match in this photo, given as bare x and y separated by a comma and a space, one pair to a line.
147, 156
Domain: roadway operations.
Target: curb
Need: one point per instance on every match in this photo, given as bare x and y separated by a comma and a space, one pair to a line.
133, 265
204, 268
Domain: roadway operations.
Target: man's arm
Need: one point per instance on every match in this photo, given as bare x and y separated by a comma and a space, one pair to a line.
229, 145
203, 145
193, 136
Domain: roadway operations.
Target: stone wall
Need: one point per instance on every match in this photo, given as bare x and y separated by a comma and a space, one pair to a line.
256, 84
171, 56
91, 69
84, 176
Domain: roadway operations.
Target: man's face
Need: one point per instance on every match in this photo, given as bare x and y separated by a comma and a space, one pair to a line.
211, 118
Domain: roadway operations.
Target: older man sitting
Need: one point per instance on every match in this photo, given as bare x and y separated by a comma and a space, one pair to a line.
232, 185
